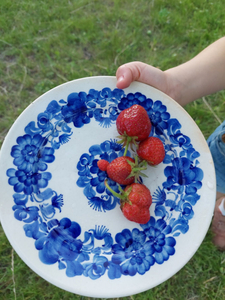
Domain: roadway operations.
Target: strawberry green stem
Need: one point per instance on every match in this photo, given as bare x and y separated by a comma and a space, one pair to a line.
137, 168
111, 190
129, 139
123, 196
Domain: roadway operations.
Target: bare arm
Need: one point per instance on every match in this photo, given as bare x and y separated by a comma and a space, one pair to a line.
201, 76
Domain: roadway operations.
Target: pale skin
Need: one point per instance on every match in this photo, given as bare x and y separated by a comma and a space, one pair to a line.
201, 76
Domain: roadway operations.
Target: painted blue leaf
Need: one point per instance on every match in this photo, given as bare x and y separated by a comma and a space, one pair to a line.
159, 257
31, 129
168, 159
26, 214
83, 181
176, 234
192, 198
95, 150
97, 268
48, 255
44, 121
91, 104
47, 210
89, 192
62, 101
55, 145
160, 211
39, 243
20, 199
114, 271
100, 188
171, 204
74, 268
180, 225
46, 194
53, 107
61, 265
65, 127
32, 230
171, 242
173, 126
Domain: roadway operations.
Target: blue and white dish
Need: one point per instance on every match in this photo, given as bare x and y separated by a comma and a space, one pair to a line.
54, 207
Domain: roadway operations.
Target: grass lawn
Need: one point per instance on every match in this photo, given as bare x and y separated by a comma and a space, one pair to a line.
46, 43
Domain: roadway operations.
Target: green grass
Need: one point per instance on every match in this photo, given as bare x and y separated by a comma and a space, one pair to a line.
46, 43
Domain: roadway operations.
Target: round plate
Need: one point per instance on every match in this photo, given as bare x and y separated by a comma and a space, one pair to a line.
54, 207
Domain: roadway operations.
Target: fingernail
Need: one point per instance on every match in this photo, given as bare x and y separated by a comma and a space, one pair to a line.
120, 78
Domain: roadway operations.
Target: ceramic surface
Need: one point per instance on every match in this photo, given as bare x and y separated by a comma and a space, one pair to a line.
56, 211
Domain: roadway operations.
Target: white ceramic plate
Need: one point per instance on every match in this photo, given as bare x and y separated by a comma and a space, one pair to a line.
54, 208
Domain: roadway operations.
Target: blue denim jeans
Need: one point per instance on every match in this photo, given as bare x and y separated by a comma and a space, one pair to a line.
217, 147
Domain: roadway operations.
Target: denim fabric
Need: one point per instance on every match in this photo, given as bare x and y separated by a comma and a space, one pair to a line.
217, 148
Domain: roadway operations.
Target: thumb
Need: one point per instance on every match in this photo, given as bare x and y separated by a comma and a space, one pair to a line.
138, 71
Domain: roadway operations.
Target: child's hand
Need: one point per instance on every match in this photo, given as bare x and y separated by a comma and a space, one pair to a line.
138, 71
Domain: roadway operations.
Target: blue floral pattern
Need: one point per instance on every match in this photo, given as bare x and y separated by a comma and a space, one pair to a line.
60, 241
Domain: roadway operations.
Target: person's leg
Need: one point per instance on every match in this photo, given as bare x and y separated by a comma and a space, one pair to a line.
216, 144
218, 224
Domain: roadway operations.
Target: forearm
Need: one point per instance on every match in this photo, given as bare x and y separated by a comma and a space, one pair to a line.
201, 76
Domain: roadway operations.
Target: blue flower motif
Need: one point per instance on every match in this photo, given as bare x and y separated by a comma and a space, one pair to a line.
132, 99
187, 211
60, 243
84, 165
44, 121
20, 199
106, 117
181, 174
91, 178
57, 201
48, 210
34, 230
106, 201
110, 150
97, 268
180, 140
28, 183
158, 115
105, 95
30, 154
53, 110
26, 214
64, 138
160, 244
99, 233
98, 181
132, 252
76, 110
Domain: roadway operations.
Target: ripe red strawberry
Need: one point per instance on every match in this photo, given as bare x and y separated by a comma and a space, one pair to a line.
133, 124
151, 150
119, 169
135, 202
124, 169
102, 164
137, 209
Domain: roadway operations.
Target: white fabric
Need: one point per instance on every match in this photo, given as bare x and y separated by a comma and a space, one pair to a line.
221, 207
